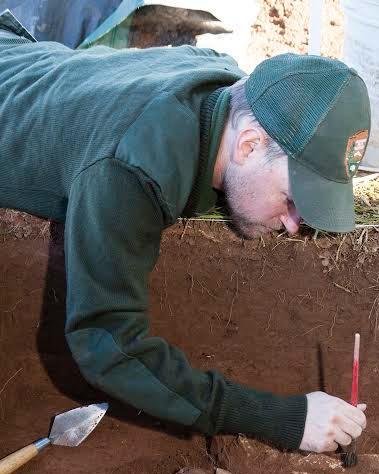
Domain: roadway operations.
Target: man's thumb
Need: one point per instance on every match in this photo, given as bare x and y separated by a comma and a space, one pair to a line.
362, 406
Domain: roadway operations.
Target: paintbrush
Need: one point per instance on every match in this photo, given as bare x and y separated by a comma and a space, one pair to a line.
351, 457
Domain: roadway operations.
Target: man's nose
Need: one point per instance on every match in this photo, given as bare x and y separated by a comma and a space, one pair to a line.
291, 220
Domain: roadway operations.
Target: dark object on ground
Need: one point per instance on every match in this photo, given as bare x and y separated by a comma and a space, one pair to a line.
350, 457
158, 25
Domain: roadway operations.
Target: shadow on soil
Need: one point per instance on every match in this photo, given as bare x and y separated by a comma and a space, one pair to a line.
56, 356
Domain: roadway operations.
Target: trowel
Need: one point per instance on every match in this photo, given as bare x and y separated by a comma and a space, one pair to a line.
68, 429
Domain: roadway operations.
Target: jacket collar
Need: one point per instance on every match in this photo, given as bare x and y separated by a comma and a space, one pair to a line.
213, 116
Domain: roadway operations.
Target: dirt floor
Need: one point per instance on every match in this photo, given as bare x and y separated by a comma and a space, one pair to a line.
276, 313
290, 304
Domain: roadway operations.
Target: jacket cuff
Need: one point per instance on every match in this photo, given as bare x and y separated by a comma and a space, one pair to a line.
280, 420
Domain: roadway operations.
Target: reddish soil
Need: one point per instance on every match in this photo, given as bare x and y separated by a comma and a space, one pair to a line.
283, 26
290, 331
277, 314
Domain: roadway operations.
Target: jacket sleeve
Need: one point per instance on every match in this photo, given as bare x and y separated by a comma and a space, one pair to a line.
112, 236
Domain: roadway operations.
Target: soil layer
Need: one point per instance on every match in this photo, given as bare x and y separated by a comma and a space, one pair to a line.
278, 314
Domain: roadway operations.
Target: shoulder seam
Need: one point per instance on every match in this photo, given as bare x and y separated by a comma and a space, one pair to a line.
155, 201
85, 169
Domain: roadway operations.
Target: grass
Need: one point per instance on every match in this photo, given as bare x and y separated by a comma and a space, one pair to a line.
366, 215
366, 197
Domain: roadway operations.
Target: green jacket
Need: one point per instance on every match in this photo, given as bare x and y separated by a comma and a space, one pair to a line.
116, 145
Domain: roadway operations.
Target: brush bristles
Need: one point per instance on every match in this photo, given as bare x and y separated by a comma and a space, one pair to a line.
350, 457
350, 460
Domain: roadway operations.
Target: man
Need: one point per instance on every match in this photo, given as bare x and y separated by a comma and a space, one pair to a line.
118, 144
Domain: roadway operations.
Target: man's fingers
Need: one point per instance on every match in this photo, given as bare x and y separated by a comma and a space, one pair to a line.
350, 427
332, 446
331, 421
342, 438
355, 414
358, 417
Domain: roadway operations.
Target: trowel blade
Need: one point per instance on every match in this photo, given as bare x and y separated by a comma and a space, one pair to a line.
72, 427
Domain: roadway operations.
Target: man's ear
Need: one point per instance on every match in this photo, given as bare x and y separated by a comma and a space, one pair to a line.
248, 143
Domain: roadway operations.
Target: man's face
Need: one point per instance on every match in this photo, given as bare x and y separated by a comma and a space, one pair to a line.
259, 196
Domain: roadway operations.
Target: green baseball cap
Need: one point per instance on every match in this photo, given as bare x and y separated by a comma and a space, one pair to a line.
317, 109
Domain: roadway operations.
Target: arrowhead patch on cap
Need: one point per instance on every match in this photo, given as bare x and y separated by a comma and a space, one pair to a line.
355, 150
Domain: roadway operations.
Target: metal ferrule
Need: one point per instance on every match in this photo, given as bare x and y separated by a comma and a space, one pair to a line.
42, 443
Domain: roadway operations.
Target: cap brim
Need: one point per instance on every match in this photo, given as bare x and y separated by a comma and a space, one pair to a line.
322, 204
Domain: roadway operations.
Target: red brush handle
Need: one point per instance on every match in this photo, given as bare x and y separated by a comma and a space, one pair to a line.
354, 385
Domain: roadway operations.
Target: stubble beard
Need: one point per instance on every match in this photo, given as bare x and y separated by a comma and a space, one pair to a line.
236, 189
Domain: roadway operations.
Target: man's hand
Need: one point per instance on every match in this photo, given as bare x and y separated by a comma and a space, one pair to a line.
331, 421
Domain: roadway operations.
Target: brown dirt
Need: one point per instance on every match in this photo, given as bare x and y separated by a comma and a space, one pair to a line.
293, 308
278, 314
282, 27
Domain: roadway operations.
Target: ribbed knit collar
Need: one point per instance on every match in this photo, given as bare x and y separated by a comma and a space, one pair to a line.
213, 115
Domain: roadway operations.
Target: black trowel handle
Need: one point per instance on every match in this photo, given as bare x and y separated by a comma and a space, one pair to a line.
15, 460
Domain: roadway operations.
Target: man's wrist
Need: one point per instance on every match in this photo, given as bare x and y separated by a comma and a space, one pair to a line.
274, 418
